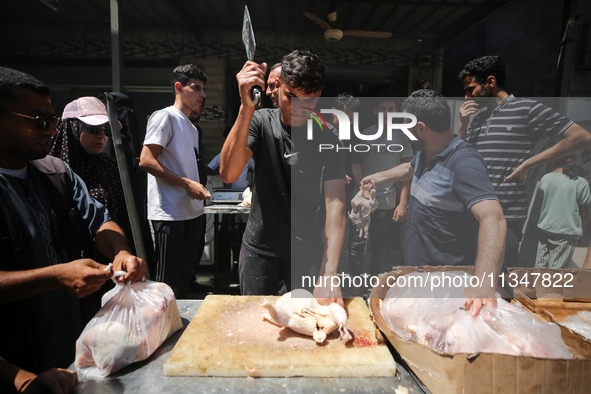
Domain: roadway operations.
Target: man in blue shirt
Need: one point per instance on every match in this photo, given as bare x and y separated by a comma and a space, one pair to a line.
46, 216
454, 216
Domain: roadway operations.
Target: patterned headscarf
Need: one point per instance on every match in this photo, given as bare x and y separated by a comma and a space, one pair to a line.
99, 172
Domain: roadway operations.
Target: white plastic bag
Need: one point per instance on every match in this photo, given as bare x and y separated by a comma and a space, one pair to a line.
432, 314
134, 320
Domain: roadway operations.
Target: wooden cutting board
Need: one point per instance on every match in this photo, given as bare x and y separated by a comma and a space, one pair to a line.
228, 337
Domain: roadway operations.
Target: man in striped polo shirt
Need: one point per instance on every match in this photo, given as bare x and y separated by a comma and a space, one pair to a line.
505, 130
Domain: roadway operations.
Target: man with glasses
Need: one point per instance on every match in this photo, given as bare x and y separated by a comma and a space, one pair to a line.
46, 217
292, 182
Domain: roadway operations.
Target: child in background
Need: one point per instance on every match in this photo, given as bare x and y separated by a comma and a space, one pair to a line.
563, 216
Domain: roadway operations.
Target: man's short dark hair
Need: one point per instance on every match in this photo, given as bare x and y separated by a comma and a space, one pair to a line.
346, 100
303, 70
430, 108
484, 67
11, 79
274, 66
184, 73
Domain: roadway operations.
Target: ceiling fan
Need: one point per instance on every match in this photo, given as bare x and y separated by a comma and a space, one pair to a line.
333, 34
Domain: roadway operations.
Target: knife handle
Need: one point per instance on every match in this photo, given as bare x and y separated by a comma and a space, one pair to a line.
257, 97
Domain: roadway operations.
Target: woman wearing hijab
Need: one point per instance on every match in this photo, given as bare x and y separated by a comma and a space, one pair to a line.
83, 132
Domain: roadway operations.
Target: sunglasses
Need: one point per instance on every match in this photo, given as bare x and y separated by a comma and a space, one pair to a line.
41, 122
96, 130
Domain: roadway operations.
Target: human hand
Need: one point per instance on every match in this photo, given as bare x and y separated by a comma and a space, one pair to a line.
468, 108
133, 265
54, 380
368, 183
519, 173
197, 191
82, 277
475, 304
400, 214
478, 297
251, 75
348, 179
325, 293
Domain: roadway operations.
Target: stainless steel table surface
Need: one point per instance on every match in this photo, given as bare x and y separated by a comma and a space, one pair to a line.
225, 208
148, 377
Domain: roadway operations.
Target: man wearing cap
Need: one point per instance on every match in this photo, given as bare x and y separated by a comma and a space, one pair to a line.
175, 191
46, 216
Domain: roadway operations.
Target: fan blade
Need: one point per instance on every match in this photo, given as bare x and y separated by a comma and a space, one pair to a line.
317, 20
367, 33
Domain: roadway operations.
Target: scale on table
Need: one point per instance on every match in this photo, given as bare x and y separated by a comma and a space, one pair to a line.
226, 196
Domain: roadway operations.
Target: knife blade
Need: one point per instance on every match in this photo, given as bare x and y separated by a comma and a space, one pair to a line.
250, 46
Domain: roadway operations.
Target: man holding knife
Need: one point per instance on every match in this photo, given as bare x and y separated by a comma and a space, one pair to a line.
283, 215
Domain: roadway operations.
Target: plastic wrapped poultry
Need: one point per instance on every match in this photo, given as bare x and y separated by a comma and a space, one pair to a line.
134, 321
435, 317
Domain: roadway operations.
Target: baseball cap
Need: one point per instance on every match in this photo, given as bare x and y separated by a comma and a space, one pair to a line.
89, 110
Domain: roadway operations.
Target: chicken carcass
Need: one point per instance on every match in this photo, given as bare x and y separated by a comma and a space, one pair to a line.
246, 198
362, 206
299, 311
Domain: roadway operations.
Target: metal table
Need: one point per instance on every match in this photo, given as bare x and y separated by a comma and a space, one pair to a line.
148, 377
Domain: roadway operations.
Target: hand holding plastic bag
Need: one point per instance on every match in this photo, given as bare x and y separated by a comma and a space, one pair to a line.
134, 321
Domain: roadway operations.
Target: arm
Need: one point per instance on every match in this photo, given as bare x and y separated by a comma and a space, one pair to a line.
584, 214
403, 190
79, 277
149, 162
334, 191
357, 173
401, 172
235, 152
54, 380
111, 242
574, 138
492, 230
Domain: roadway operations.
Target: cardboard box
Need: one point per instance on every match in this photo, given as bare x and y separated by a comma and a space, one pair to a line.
483, 372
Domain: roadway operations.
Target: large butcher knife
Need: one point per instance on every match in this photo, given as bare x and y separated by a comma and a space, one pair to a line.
250, 46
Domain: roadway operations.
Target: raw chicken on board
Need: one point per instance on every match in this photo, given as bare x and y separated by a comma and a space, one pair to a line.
362, 206
299, 311
432, 315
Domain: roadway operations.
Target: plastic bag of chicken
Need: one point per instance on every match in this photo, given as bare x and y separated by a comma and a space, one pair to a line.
135, 319
428, 309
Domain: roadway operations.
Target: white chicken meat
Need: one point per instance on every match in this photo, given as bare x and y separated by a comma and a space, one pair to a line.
299, 311
362, 206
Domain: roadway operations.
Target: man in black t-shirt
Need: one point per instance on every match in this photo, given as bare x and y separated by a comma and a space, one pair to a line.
292, 181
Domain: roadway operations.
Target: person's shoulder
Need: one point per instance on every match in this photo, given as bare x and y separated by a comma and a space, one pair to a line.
267, 113
466, 151
370, 130
50, 165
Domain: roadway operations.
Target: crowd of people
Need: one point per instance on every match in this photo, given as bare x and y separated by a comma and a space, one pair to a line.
445, 198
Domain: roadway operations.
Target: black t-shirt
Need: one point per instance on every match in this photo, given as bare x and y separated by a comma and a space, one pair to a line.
288, 178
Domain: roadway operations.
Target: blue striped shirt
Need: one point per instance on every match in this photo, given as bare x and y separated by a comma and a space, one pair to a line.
505, 137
